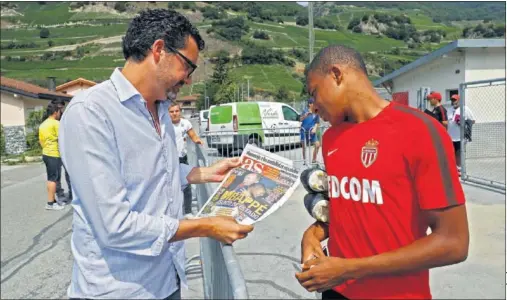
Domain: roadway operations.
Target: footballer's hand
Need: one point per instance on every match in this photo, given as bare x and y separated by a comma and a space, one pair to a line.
324, 273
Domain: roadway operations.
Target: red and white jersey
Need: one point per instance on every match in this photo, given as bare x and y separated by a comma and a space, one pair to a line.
383, 173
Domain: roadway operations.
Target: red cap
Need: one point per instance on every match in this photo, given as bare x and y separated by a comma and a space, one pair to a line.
435, 95
455, 97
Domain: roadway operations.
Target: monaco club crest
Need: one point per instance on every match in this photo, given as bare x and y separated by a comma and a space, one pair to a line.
369, 153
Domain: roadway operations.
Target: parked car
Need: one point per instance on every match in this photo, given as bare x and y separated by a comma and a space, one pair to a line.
266, 124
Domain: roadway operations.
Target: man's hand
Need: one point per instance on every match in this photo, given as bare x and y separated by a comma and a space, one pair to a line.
199, 142
313, 130
227, 230
223, 229
213, 173
324, 273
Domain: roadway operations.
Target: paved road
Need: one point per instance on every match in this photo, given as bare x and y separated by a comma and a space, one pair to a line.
36, 260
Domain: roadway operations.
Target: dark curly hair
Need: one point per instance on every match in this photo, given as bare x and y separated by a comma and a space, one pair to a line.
51, 109
151, 25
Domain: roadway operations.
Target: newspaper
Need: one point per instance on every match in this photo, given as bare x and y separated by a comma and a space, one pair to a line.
257, 188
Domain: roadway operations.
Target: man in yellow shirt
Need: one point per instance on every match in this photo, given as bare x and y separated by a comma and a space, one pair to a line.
48, 139
60, 192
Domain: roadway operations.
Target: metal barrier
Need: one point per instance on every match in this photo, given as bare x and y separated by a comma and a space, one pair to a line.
483, 158
285, 142
222, 276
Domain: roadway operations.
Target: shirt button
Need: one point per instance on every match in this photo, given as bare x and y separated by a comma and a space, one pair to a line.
171, 200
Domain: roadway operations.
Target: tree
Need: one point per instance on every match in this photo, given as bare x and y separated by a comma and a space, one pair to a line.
80, 51
50, 43
230, 29
173, 5
302, 20
33, 122
120, 6
304, 89
500, 30
213, 13
353, 23
261, 35
221, 73
226, 93
282, 94
44, 33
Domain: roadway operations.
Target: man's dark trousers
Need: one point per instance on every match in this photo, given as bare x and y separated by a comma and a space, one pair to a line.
187, 192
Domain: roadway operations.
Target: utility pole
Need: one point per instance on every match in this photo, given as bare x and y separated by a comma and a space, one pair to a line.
205, 82
310, 29
248, 87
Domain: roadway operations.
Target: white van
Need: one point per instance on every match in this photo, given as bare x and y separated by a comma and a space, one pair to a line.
203, 122
266, 124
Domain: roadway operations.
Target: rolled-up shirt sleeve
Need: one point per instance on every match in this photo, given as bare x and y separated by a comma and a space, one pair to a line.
89, 152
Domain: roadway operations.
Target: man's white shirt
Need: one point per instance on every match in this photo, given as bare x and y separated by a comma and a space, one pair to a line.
453, 128
181, 130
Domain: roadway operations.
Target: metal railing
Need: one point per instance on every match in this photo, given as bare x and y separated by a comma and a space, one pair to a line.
222, 275
483, 158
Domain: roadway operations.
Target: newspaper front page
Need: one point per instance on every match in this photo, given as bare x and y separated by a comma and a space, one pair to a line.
257, 188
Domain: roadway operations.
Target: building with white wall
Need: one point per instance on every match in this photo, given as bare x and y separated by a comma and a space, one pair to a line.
445, 69
18, 100
75, 86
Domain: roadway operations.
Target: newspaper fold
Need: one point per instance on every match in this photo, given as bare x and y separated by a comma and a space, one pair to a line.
257, 188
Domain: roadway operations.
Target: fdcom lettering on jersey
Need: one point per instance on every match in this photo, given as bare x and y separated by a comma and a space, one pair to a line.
364, 190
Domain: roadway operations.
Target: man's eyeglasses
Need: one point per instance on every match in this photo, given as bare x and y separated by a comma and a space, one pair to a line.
186, 59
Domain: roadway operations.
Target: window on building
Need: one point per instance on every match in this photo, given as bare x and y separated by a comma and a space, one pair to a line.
187, 103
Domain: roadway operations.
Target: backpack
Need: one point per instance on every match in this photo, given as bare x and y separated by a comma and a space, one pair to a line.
468, 130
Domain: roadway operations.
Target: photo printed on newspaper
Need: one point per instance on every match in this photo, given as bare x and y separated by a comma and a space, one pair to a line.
258, 187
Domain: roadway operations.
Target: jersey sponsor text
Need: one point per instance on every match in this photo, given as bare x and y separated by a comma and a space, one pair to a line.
366, 191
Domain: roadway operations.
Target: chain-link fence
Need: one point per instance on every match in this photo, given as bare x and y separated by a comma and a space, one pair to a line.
482, 132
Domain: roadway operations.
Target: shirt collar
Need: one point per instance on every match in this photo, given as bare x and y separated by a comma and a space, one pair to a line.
124, 88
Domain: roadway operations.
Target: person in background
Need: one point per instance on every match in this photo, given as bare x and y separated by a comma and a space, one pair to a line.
454, 128
60, 192
118, 143
379, 157
48, 139
183, 129
439, 112
310, 122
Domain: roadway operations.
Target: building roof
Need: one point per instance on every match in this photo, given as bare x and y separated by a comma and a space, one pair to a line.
79, 81
457, 44
188, 98
30, 90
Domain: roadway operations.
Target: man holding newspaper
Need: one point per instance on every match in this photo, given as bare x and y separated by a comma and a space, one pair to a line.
118, 142
391, 176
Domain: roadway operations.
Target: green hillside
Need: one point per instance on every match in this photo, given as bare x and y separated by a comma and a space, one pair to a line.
267, 41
